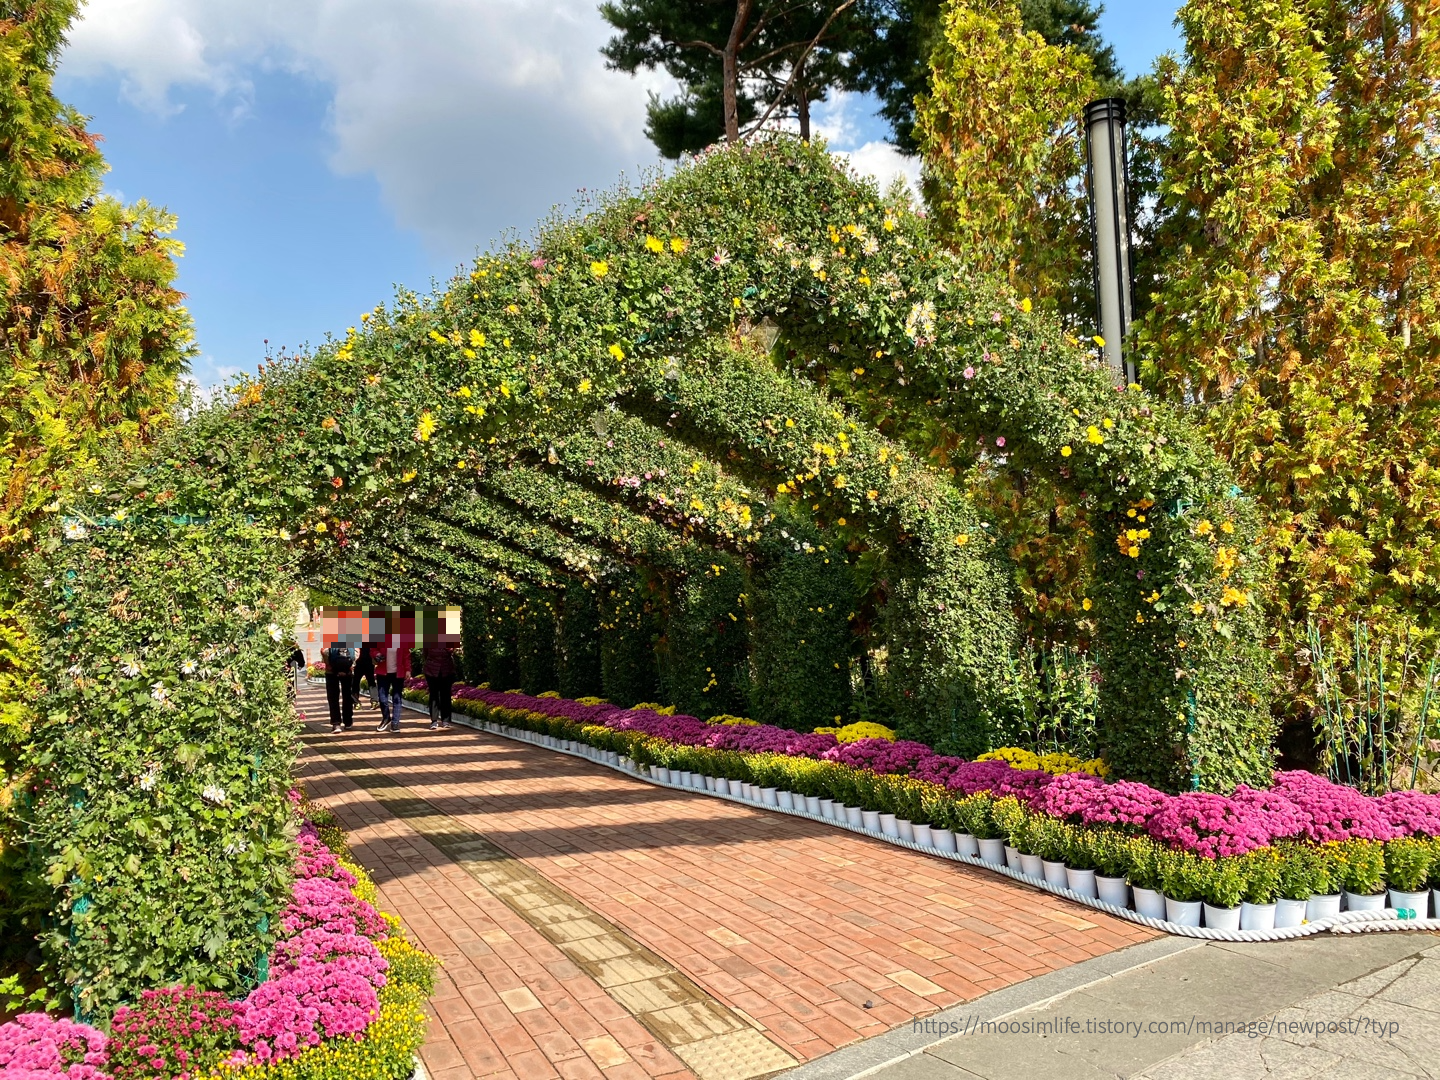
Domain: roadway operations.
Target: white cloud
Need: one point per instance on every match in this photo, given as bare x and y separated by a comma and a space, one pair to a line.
885, 163
472, 116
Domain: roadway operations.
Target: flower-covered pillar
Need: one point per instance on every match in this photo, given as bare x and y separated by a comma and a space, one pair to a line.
162, 753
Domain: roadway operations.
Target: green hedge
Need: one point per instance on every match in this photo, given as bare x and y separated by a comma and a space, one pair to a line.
703, 649
801, 597
535, 641
628, 628
164, 748
578, 648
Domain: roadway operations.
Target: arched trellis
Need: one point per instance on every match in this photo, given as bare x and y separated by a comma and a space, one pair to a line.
622, 307
472, 443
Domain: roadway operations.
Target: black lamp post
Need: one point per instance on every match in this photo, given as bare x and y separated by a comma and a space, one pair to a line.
1108, 176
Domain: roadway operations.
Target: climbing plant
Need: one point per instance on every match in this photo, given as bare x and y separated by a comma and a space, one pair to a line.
164, 744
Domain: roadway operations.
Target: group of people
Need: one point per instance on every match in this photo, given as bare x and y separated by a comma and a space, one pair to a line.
387, 669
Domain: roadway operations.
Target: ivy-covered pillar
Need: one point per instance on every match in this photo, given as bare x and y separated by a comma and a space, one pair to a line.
578, 645
704, 648
800, 597
628, 628
472, 642
535, 641
165, 739
501, 652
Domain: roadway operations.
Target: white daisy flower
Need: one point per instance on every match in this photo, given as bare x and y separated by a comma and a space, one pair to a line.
75, 531
188, 667
130, 669
149, 777
75, 671
159, 693
213, 793
275, 632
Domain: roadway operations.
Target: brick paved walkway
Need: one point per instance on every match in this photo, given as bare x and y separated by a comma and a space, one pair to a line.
594, 925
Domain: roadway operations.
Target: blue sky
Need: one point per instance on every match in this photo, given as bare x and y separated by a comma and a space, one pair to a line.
318, 155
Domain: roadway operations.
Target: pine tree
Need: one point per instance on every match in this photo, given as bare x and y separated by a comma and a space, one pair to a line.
91, 326
1298, 306
739, 63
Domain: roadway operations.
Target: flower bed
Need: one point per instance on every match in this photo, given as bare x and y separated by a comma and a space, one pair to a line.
1302, 837
342, 1001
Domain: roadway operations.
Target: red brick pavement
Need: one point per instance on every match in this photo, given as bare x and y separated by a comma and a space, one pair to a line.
822, 937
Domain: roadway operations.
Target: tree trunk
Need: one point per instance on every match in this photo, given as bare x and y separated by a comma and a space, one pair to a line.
802, 108
732, 70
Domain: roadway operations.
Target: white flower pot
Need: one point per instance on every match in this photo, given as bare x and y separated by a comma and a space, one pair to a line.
661, 773
827, 808
1410, 905
1055, 874
1081, 882
1222, 918
1289, 913
812, 804
785, 800
1320, 907
612, 757
1256, 916
921, 834
991, 851
854, 816
870, 820
1183, 912
888, 826
907, 829
1030, 865
1113, 890
1361, 902
710, 783
1435, 901
943, 840
769, 796
966, 844
1149, 902
1012, 860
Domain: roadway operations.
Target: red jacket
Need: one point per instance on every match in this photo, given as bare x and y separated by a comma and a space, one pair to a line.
396, 661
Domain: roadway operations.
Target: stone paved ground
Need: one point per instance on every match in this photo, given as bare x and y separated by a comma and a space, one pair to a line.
594, 925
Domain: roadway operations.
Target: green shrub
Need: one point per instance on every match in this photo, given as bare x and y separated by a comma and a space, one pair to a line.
975, 815
1224, 882
1261, 870
1145, 863
1407, 863
1107, 853
1361, 867
1299, 872
577, 657
1183, 875
164, 853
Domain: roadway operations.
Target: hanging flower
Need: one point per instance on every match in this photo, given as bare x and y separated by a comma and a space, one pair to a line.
426, 427
159, 693
969, 373
720, 258
600, 268
276, 634
920, 323
149, 778
130, 669
1000, 441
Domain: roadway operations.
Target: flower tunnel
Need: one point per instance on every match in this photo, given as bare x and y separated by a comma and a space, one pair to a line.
708, 439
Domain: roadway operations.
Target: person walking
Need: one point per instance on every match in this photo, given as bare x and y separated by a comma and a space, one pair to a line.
396, 660
439, 671
364, 669
339, 693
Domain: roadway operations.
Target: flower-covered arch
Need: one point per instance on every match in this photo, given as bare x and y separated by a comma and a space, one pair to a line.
757, 348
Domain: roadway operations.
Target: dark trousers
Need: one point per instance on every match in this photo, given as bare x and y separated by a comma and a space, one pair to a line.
340, 694
355, 686
439, 687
